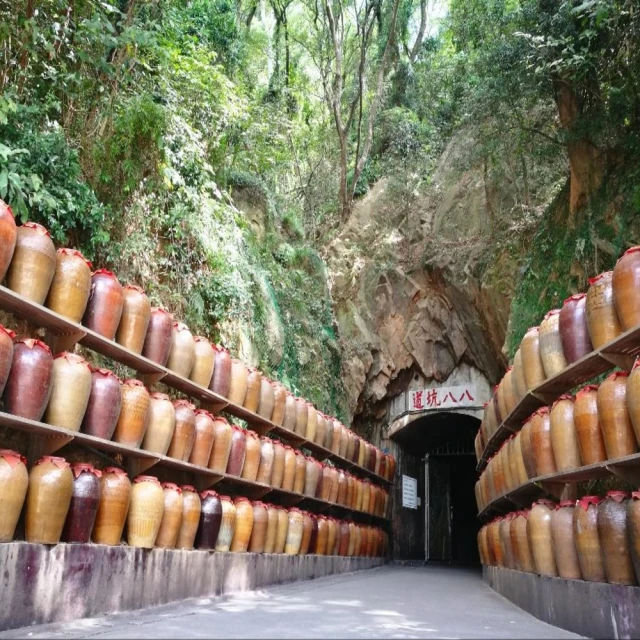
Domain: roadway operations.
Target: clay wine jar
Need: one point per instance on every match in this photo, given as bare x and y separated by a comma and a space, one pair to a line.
157, 341
505, 541
222, 440
279, 403
33, 264
103, 407
532, 366
342, 489
267, 454
84, 504
210, 520
302, 415
493, 535
252, 456
344, 444
633, 398
182, 354
238, 382
615, 421
322, 536
48, 499
290, 412
221, 378
335, 443
626, 288
71, 285
254, 384
612, 532
585, 530
289, 469
633, 530
510, 397
564, 544
294, 532
227, 524
281, 531
324, 485
502, 403
191, 509
70, 391
184, 433
244, 525
6, 354
106, 301
145, 512
540, 540
134, 322
307, 530
312, 423
587, 425
313, 474
520, 384
602, 318
237, 452
574, 331
204, 435
541, 442
204, 362
8, 235
14, 480
551, 353
28, 387
134, 414
351, 448
171, 517
115, 495
160, 424
524, 549
259, 529
267, 399
277, 473
564, 439
272, 529
527, 448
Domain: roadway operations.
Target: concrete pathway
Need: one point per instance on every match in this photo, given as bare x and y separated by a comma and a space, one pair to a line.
389, 602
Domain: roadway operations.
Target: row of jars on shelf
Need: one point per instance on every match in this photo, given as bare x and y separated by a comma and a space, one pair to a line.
65, 392
600, 423
80, 504
63, 282
594, 538
585, 321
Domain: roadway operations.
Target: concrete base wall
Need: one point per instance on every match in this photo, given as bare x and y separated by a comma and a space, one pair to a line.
591, 609
40, 584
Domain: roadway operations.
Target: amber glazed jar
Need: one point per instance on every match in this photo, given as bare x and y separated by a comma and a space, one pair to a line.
307, 530
279, 403
335, 443
321, 428
302, 415
103, 408
532, 366
612, 532
510, 398
71, 285
14, 480
585, 531
633, 529
267, 454
312, 423
171, 517
267, 399
259, 530
134, 414
33, 264
136, 313
237, 452
145, 512
157, 341
312, 476
551, 353
238, 383
6, 355
300, 472
564, 439
253, 448
333, 496
294, 532
277, 474
106, 301
518, 375
227, 524
289, 419
254, 384
244, 525
626, 288
602, 318
615, 421
191, 509
184, 433
48, 499
8, 235
272, 529
502, 403
633, 398
282, 529
221, 377
182, 354
289, 469
494, 541
115, 495
564, 543
332, 536
204, 435
505, 541
540, 540
210, 520
541, 442
587, 425
574, 331
222, 439
84, 504
204, 362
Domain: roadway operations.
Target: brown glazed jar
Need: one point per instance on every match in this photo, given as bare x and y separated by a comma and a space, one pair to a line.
574, 331
84, 503
70, 390
238, 382
267, 455
633, 529
106, 301
587, 424
8, 235
71, 285
28, 387
541, 442
307, 530
254, 384
184, 434
191, 509
519, 457
518, 375
564, 439
502, 402
289, 475
326, 483
612, 532
313, 474
494, 541
103, 408
14, 480
540, 541
221, 378
510, 398
115, 495
134, 414
182, 354
222, 439
136, 313
335, 443
321, 428
302, 415
272, 529
341, 498
237, 452
295, 530
204, 362
48, 499
300, 472
281, 531
333, 496
33, 264
344, 444
253, 449
532, 366
312, 423
633, 398
564, 544
290, 416
496, 407
259, 529
602, 318
482, 545
551, 353
210, 520
157, 341
513, 540
145, 512
332, 535
615, 422
525, 556
161, 423
203, 442
277, 474
279, 403
626, 288
267, 399
244, 525
227, 524
505, 541
171, 517
6, 352
585, 530
366, 492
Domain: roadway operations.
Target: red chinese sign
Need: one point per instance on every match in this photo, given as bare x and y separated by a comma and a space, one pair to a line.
442, 398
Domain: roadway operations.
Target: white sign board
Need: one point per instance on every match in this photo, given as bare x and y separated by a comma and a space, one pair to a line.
443, 397
409, 492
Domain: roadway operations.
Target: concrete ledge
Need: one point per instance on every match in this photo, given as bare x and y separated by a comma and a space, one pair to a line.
591, 609
40, 584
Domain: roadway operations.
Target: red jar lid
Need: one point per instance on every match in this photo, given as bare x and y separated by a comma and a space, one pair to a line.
632, 250
157, 395
74, 252
59, 462
134, 287
12, 458
11, 334
636, 364
540, 412
587, 389
495, 389
566, 503
241, 499
635, 495
618, 374
575, 297
171, 485
188, 487
605, 274
180, 326
204, 412
160, 310
115, 470
38, 227
107, 373
84, 467
227, 498
585, 501
133, 382
564, 396
266, 439
546, 502
72, 358
104, 272
553, 312
201, 339
209, 493
218, 418
484, 406
220, 348
532, 330
5, 207
618, 496
31, 343
147, 479
184, 403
